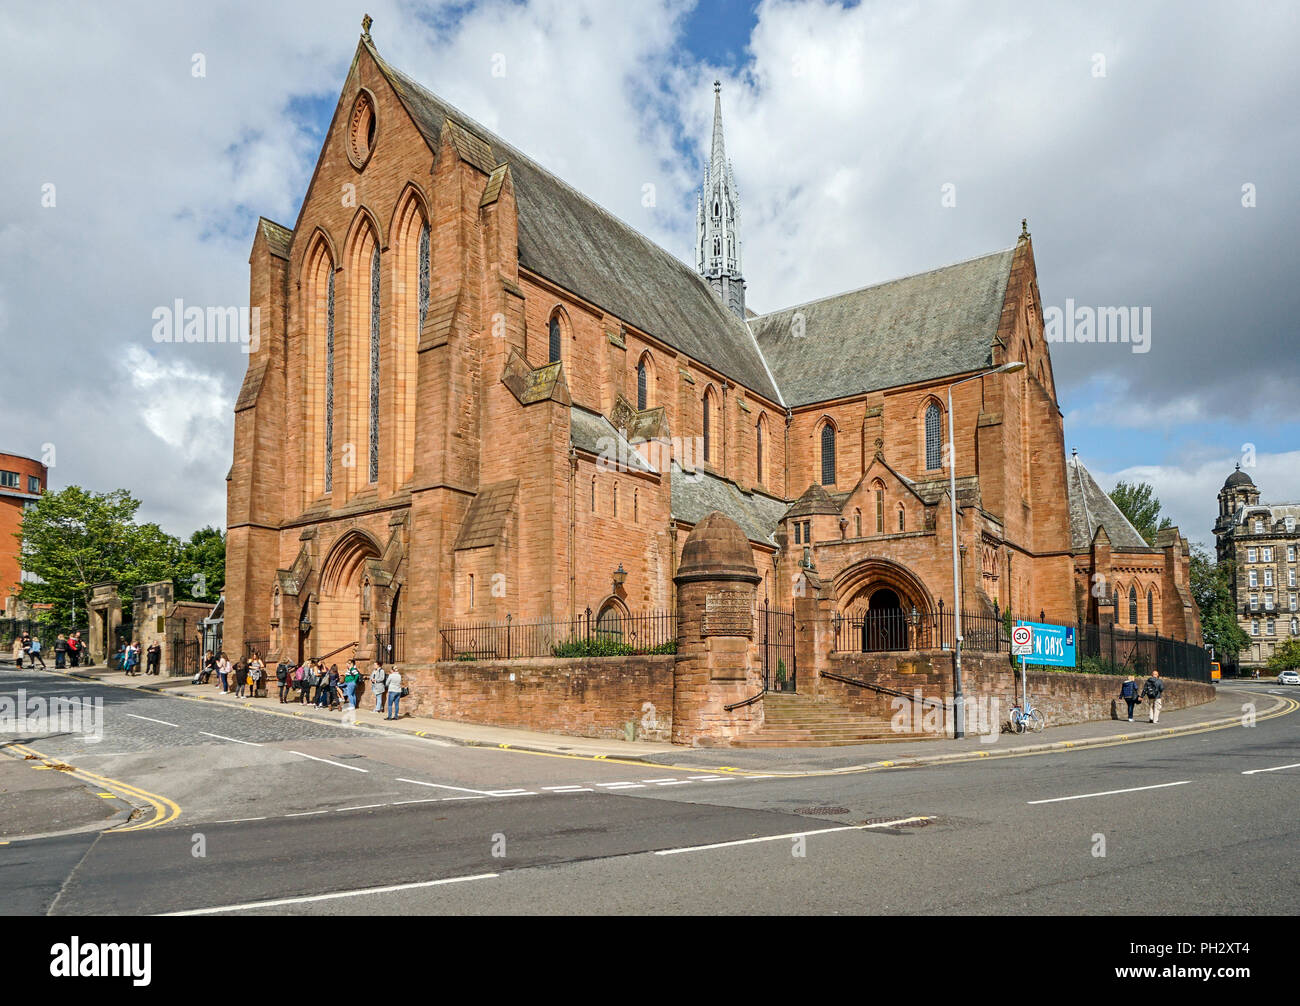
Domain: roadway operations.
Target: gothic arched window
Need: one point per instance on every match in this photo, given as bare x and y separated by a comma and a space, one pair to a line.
1132, 606
1151, 607
758, 450
708, 424
329, 384
374, 364
828, 455
933, 437
641, 387
902, 518
553, 355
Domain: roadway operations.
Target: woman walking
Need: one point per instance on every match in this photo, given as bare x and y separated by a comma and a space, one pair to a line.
350, 682
377, 678
1129, 693
223, 672
255, 671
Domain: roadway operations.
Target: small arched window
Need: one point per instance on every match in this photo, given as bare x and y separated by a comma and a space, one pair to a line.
593, 494
609, 623
758, 450
902, 518
933, 437
880, 509
642, 397
1132, 606
708, 425
828, 455
615, 500
1151, 607
553, 355
857, 523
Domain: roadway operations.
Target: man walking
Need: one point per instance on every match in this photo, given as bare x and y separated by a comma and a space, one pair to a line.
1154, 690
34, 654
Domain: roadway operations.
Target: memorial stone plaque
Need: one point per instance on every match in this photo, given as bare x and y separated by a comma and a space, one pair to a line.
728, 613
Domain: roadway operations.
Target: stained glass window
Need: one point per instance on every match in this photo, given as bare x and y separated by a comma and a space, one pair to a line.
759, 451
424, 276
708, 433
374, 365
640, 387
555, 340
933, 437
828, 455
329, 383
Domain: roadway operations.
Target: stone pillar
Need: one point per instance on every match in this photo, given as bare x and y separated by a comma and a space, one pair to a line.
105, 617
717, 659
814, 632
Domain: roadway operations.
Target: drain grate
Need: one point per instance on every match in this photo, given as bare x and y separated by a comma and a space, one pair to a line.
922, 823
822, 810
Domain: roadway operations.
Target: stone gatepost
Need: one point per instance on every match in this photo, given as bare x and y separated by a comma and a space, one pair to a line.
105, 615
814, 631
717, 659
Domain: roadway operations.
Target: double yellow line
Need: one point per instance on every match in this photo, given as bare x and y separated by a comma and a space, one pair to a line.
164, 810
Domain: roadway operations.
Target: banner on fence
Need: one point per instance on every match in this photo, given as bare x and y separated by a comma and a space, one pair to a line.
1052, 645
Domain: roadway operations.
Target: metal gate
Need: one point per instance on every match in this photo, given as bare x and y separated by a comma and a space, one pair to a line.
776, 646
184, 658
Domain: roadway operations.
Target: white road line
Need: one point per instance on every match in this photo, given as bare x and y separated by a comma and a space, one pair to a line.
511, 792
793, 834
659, 780
1276, 768
336, 764
482, 796
675, 782
239, 820
439, 785
365, 806
222, 737
152, 720
427, 799
1109, 792
252, 905
617, 786
707, 778
568, 789
307, 813
758, 777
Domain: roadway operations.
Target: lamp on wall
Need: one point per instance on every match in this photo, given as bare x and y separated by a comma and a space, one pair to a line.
304, 624
620, 577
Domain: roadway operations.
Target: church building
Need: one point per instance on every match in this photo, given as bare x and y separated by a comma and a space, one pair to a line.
479, 395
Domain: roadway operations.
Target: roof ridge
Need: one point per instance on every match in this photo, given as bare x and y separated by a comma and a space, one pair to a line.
887, 282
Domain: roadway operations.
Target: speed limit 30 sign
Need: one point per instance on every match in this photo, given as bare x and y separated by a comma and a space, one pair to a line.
1022, 640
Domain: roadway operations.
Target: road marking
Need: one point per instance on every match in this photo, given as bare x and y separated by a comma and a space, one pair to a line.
658, 781
223, 737
427, 799
152, 720
675, 782
568, 789
336, 764
708, 778
759, 777
793, 834
108, 796
510, 792
439, 785
1276, 768
391, 888
1109, 792
239, 820
365, 806
307, 813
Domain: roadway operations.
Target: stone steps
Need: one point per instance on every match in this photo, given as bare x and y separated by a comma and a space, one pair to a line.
800, 721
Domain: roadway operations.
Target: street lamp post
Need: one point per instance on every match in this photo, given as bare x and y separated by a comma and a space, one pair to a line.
959, 698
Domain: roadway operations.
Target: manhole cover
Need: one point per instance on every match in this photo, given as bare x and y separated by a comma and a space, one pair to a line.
822, 810
899, 823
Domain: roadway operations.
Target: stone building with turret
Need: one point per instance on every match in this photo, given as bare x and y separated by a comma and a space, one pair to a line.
1261, 541
479, 395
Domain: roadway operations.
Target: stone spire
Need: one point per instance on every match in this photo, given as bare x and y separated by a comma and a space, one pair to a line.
717, 221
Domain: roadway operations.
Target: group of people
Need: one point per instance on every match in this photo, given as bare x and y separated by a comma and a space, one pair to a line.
129, 658
1153, 690
310, 683
27, 647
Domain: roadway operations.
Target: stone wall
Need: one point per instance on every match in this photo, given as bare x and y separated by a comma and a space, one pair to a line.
1081, 698
586, 697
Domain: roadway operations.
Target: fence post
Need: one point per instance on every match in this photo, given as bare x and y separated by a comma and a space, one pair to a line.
507, 635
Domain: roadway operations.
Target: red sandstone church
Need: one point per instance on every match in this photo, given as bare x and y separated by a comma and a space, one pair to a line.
478, 394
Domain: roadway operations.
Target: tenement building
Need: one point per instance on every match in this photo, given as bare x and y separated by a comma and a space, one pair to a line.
479, 395
1260, 540
22, 480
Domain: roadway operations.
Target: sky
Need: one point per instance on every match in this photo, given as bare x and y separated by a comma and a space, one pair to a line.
1153, 149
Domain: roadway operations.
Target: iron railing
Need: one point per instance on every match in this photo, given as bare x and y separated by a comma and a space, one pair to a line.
774, 633
614, 635
390, 647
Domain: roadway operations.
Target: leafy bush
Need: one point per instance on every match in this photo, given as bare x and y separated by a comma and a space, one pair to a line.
605, 646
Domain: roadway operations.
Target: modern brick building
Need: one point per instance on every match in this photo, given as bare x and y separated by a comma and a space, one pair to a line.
477, 394
22, 480
1261, 541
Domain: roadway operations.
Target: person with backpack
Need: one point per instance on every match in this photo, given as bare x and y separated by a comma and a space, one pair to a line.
300, 680
282, 679
350, 682
1129, 693
131, 658
377, 678
1154, 690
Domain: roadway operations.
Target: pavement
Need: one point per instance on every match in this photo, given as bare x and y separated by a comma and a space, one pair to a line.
1228, 709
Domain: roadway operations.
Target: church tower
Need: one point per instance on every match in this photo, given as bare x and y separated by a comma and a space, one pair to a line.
717, 222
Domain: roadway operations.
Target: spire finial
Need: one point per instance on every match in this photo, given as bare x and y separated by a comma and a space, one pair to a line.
366, 22
717, 86
1238, 466
1024, 228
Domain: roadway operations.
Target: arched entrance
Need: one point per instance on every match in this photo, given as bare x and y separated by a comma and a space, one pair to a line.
887, 605
343, 606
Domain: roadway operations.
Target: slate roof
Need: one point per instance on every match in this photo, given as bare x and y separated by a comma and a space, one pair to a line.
573, 242
910, 329
278, 236
697, 494
593, 433
1237, 478
1090, 507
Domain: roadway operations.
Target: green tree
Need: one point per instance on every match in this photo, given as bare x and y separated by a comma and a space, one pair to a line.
1211, 585
1286, 656
1138, 502
74, 538
201, 569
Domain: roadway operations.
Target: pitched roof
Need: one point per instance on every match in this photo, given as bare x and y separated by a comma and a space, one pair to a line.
910, 329
697, 494
278, 237
593, 433
573, 242
1091, 507
488, 513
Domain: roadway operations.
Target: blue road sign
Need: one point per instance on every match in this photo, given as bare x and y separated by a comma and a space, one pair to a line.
1053, 645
